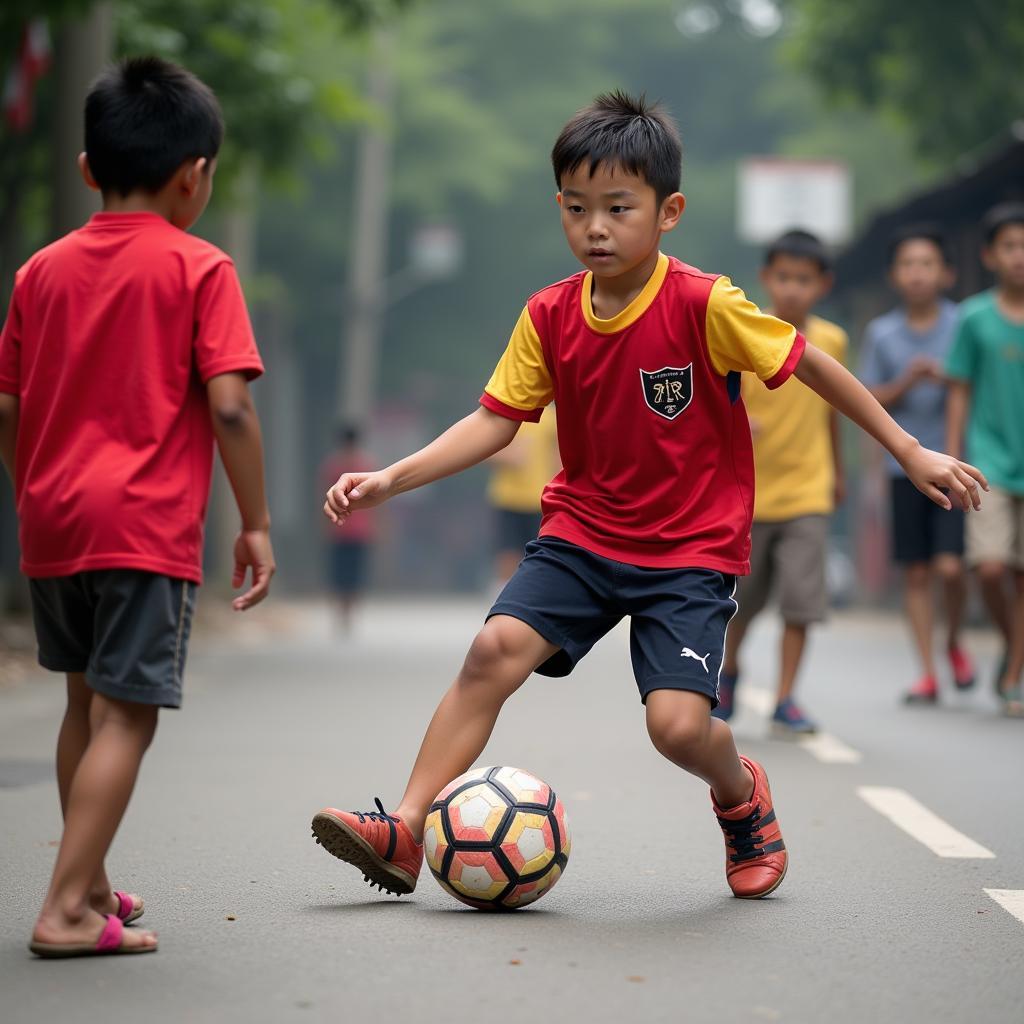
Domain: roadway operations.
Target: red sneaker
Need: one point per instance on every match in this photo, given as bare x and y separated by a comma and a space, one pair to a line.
924, 691
755, 855
963, 668
379, 844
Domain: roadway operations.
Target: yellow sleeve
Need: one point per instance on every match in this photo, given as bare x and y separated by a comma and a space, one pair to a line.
743, 339
520, 386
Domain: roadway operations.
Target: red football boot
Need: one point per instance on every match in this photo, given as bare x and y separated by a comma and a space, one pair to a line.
755, 855
379, 844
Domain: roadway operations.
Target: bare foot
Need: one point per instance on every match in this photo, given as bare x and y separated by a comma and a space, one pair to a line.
108, 903
57, 929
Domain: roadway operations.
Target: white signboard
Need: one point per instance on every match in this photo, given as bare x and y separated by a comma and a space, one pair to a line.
775, 194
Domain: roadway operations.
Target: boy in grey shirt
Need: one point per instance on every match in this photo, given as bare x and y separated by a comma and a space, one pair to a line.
902, 365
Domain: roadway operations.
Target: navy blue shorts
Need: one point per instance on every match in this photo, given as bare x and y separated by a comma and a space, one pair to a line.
573, 597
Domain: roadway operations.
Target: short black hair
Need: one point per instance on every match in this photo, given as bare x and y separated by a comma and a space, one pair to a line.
144, 117
922, 232
999, 217
801, 245
623, 131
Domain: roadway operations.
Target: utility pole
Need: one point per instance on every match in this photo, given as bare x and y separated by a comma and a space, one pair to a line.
357, 382
81, 48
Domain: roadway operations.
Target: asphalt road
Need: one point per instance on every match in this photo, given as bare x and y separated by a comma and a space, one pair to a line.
258, 924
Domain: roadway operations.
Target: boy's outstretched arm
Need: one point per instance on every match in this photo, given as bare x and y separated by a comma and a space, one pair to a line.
8, 430
471, 440
240, 443
931, 472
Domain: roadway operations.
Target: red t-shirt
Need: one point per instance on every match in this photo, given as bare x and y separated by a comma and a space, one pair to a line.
656, 452
112, 334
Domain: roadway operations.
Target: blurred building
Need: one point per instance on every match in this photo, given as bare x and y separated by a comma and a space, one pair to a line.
992, 174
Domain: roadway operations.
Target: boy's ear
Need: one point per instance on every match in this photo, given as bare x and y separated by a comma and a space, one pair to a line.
558, 198
828, 280
86, 172
671, 210
192, 175
948, 277
987, 257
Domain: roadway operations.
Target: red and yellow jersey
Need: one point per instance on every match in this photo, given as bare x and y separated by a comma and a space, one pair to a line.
655, 444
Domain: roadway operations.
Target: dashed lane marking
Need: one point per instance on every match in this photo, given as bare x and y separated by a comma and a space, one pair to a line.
830, 749
824, 746
923, 825
1011, 900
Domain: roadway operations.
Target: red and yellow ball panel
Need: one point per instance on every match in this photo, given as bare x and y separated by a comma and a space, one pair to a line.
526, 788
473, 775
527, 892
434, 843
562, 817
529, 843
476, 813
476, 875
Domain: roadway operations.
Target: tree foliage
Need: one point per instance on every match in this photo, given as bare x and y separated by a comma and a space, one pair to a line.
949, 71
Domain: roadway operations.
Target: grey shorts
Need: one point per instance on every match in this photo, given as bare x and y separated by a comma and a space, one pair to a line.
125, 629
787, 557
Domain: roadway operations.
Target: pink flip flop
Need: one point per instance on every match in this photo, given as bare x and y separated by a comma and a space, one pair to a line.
108, 944
126, 907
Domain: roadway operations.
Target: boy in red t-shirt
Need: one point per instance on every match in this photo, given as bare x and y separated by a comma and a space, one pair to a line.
348, 556
125, 355
650, 516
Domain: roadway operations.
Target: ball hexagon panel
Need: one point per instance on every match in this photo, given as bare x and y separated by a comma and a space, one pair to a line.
529, 892
434, 843
476, 813
529, 843
526, 788
562, 819
474, 774
476, 875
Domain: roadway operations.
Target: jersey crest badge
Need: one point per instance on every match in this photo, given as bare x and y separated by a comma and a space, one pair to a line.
668, 391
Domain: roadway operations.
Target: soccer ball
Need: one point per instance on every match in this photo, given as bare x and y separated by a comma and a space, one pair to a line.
497, 838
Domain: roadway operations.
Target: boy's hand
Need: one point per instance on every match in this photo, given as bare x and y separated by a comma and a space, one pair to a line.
354, 492
924, 368
252, 551
933, 474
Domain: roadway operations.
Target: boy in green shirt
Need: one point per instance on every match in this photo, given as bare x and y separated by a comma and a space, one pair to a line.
986, 396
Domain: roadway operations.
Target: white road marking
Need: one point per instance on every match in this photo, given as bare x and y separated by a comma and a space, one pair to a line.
824, 746
756, 699
1011, 900
830, 749
917, 821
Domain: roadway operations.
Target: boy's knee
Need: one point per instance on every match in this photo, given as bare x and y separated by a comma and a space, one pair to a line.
918, 574
137, 719
492, 654
678, 735
949, 568
991, 572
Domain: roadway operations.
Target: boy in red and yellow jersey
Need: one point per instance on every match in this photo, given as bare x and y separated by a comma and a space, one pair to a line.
650, 515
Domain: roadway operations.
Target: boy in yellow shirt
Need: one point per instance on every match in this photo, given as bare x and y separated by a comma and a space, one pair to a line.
798, 481
521, 472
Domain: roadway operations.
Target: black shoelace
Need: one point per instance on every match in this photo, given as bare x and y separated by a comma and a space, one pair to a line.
378, 815
745, 837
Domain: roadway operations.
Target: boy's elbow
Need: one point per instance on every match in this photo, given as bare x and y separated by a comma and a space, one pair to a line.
231, 414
